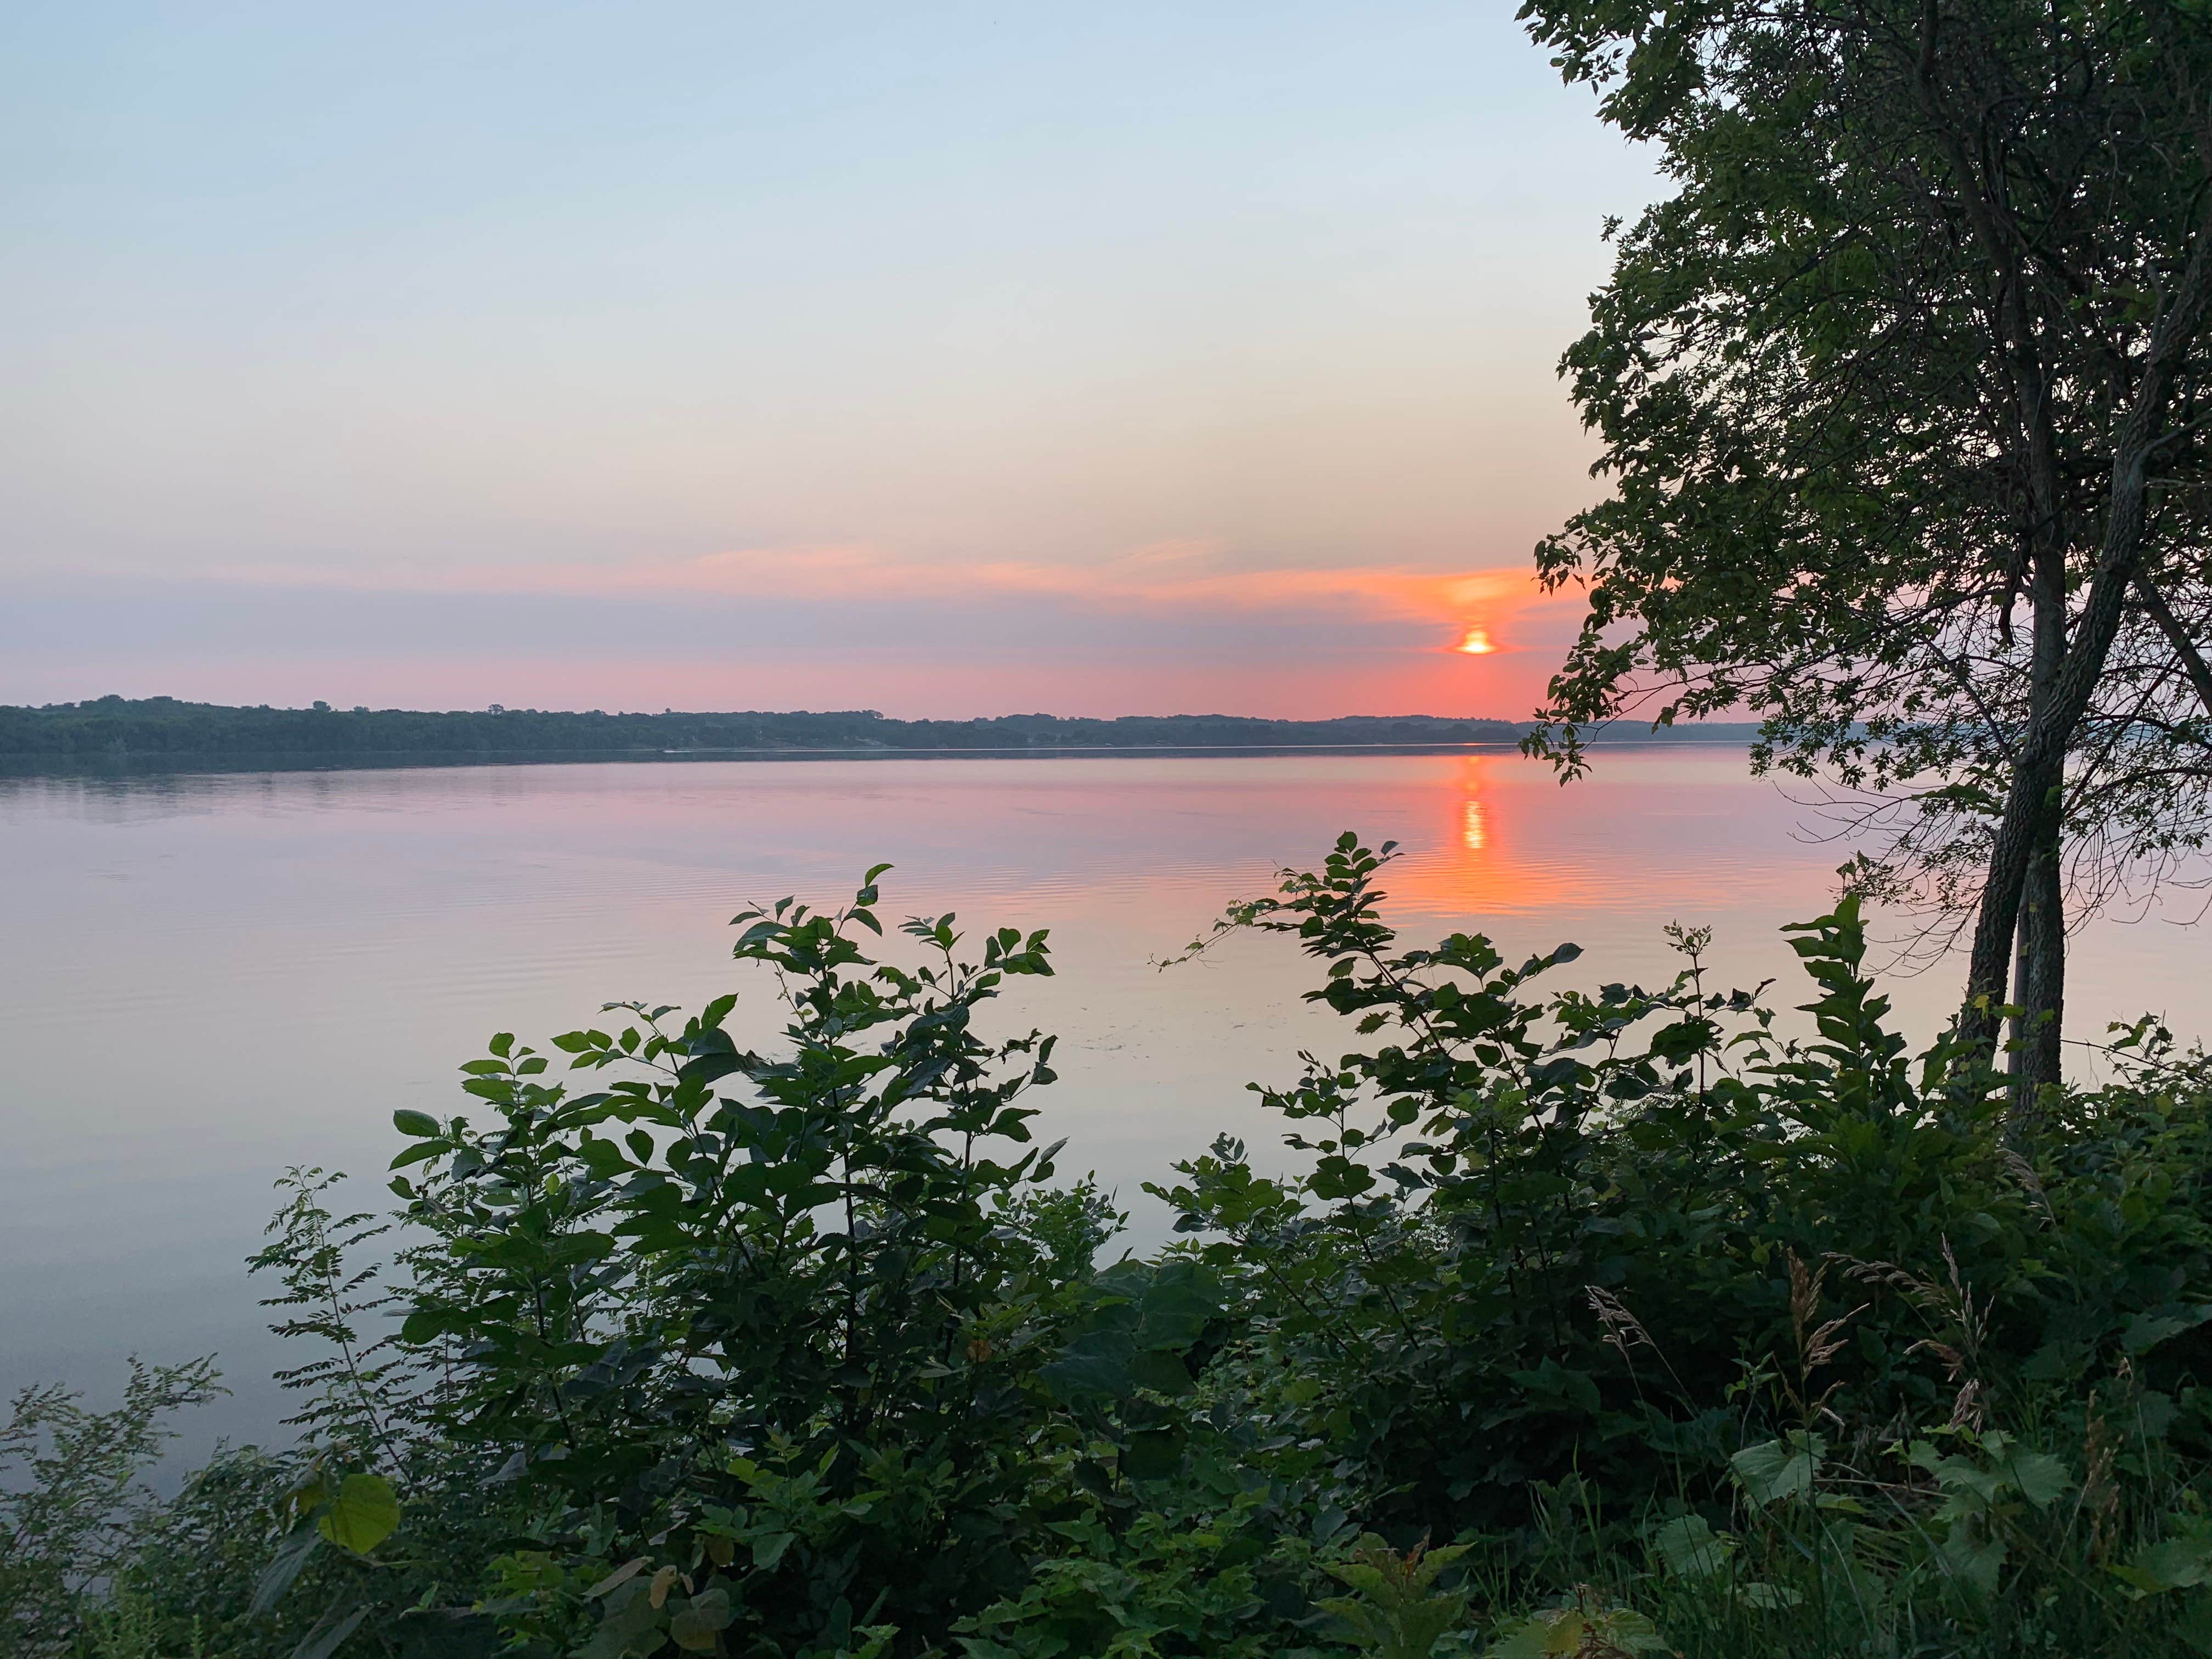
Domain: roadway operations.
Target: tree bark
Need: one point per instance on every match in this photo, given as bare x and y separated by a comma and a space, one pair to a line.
2040, 978
2039, 986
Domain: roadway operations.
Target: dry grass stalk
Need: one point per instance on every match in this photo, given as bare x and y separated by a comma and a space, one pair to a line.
2024, 1172
1951, 1301
1622, 1329
2101, 1488
1625, 1331
1816, 1345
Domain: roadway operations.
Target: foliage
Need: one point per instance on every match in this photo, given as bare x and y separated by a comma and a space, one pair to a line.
755, 1334
72, 1496
1600, 1322
1643, 1247
118, 728
1397, 1611
1901, 388
357, 1384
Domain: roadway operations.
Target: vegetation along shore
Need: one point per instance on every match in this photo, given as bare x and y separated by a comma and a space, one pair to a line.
150, 728
1597, 1321
1571, 1323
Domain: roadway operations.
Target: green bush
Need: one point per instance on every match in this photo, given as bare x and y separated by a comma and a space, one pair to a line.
73, 1501
1643, 1247
1590, 1323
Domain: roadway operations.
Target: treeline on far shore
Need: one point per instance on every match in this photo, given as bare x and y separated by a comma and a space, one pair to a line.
121, 727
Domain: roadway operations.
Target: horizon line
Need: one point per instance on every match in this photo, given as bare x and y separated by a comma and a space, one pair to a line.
502, 709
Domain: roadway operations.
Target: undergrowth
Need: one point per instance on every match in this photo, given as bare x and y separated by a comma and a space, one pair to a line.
1607, 1322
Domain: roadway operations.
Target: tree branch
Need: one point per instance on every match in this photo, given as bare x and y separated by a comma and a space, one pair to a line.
2192, 660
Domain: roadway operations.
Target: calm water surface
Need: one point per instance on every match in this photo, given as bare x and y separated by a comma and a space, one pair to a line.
212, 977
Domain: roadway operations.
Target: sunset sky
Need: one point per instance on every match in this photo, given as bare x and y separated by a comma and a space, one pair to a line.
939, 358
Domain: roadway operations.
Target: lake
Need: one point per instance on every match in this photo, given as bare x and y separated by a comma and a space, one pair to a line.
212, 977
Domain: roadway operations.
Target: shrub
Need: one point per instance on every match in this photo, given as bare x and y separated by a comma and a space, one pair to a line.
1643, 1247
757, 1337
73, 1499
1592, 1323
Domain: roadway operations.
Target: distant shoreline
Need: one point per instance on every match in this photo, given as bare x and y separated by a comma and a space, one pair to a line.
165, 733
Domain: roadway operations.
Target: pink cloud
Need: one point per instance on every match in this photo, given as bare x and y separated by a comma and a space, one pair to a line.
1186, 577
1172, 626
1429, 682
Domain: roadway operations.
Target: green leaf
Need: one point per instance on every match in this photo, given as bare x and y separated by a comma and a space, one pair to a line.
2041, 1478
1161, 1370
1153, 1454
429, 1324
2146, 1331
2176, 1563
1557, 1388
323, 1641
276, 1577
1775, 1469
1690, 1548
704, 1618
621, 1575
1973, 1557
1570, 1632
1176, 1307
768, 1549
630, 1625
365, 1512
1769, 1597
421, 1152
1097, 1363
417, 1124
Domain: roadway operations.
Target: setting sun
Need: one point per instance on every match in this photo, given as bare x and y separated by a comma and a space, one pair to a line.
1476, 643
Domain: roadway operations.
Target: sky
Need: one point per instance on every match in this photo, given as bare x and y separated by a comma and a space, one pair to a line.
944, 359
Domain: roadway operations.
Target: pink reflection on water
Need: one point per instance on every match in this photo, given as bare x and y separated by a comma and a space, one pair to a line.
366, 930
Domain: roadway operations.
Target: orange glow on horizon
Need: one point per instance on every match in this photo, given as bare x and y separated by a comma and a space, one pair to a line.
1241, 628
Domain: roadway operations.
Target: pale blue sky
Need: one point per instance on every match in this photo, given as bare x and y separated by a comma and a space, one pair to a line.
935, 316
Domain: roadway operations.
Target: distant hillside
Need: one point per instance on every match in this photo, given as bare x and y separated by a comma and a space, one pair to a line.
150, 726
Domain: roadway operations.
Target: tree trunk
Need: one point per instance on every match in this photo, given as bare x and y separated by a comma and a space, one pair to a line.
2039, 761
2038, 767
2040, 984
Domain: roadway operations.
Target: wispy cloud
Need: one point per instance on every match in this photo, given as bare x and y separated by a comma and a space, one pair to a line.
1184, 578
